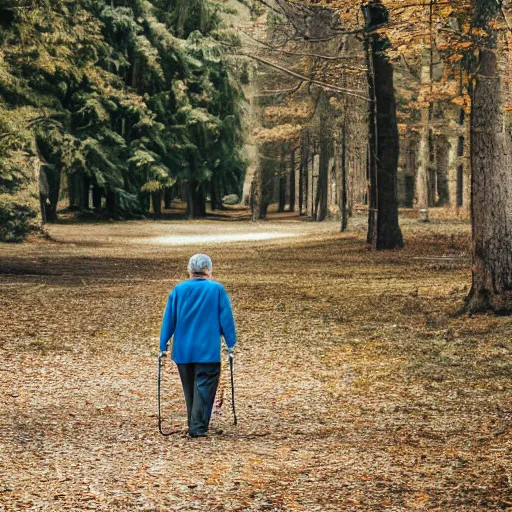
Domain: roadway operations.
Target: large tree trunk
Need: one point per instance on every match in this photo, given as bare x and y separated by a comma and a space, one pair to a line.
384, 232
422, 179
255, 195
466, 171
196, 201
491, 194
214, 199
167, 198
75, 191
322, 190
268, 168
261, 188
344, 213
111, 202
86, 191
97, 194
304, 157
44, 188
371, 236
78, 190
156, 199
442, 170
54, 180
423, 182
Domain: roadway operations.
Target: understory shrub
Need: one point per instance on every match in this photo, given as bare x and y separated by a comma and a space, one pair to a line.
230, 199
14, 221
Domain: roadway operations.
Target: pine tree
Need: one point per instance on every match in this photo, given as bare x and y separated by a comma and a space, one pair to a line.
123, 98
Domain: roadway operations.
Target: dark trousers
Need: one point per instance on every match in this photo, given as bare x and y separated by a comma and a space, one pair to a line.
199, 381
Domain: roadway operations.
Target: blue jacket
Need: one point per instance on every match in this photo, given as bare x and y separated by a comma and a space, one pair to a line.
198, 313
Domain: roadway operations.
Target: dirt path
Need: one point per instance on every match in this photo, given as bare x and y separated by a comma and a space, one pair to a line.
355, 389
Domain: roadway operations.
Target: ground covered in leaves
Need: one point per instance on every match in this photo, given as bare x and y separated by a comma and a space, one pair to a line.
357, 386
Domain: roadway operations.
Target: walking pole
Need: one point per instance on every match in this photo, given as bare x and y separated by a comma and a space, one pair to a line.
160, 357
231, 364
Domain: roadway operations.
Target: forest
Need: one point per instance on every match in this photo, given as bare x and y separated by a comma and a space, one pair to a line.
322, 109
346, 164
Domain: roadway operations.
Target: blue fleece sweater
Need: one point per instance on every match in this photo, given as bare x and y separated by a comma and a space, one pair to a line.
198, 313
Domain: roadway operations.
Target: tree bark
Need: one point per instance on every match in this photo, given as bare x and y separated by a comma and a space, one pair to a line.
255, 195
305, 169
111, 202
44, 188
54, 181
97, 194
282, 185
167, 198
491, 194
156, 199
452, 173
78, 191
292, 181
301, 176
268, 167
442, 170
322, 189
214, 201
75, 191
422, 178
344, 213
384, 233
86, 188
196, 201
466, 171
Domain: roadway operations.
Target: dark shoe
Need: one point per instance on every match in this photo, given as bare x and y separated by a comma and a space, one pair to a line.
197, 434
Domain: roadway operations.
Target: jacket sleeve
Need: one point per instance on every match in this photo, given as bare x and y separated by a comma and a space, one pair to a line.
168, 321
227, 322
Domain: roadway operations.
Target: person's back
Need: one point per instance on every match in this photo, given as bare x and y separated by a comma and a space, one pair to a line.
202, 315
197, 314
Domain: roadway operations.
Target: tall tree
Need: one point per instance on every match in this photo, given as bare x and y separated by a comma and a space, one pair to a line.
491, 176
383, 229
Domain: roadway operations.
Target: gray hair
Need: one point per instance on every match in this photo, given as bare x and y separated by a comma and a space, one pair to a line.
200, 264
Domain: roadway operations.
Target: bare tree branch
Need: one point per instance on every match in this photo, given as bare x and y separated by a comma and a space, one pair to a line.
307, 54
307, 79
277, 92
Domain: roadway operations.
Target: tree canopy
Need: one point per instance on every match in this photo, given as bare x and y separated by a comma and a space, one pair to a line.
124, 97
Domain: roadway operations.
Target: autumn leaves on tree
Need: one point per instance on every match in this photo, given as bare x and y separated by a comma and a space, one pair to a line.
419, 84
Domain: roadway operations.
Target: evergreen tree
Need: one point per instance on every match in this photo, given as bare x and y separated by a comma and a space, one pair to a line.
122, 97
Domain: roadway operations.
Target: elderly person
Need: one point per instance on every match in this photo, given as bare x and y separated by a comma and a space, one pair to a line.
198, 313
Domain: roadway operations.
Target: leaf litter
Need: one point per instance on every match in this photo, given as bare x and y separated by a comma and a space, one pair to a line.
357, 386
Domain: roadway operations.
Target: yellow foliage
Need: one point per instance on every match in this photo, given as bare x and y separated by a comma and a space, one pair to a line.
281, 133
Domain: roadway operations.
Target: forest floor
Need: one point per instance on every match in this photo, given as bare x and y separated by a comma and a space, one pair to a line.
357, 387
